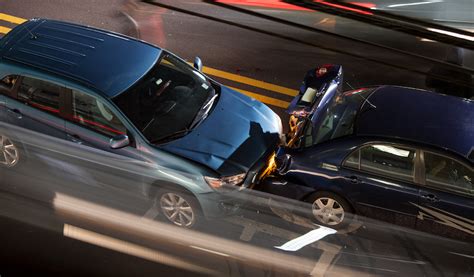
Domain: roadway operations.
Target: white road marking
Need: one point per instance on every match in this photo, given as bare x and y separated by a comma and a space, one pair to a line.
306, 239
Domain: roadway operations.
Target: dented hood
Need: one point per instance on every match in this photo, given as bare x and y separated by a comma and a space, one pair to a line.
235, 135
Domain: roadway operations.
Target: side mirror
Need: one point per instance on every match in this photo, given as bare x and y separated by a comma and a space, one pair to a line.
198, 63
119, 141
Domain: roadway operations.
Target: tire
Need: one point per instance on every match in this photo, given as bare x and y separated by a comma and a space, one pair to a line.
329, 209
179, 207
9, 152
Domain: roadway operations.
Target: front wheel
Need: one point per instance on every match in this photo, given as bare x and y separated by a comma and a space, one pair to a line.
330, 210
179, 208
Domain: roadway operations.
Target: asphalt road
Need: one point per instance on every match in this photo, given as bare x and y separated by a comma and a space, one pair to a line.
263, 66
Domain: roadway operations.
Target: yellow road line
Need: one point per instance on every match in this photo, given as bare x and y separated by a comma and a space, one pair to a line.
11, 18
249, 81
4, 30
263, 98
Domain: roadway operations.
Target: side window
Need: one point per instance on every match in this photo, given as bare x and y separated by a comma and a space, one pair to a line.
388, 160
445, 173
92, 113
353, 160
7, 84
40, 94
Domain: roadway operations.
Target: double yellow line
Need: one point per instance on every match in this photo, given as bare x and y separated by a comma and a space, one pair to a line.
11, 19
210, 71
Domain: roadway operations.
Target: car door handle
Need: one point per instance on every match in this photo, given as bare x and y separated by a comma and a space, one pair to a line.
74, 138
430, 197
354, 179
16, 113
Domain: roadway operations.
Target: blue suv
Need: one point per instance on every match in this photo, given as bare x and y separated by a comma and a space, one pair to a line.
100, 94
396, 154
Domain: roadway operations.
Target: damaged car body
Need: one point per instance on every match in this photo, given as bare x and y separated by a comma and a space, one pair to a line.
395, 154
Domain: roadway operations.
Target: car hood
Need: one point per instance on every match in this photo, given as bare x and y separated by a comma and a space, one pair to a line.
235, 135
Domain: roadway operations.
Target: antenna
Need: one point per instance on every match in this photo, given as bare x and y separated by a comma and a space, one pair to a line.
365, 99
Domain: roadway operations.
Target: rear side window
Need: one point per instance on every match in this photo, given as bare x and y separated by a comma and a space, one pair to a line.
90, 112
40, 94
448, 174
7, 84
384, 160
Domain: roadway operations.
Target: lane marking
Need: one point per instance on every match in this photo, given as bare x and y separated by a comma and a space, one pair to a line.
11, 18
4, 30
262, 98
249, 81
306, 239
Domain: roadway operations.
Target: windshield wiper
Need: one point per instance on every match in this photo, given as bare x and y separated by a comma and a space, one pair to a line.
174, 135
202, 114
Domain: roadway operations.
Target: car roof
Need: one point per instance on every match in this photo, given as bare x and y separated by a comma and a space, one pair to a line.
421, 116
107, 61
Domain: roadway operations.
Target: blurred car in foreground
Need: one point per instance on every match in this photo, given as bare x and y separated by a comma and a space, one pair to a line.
391, 153
119, 96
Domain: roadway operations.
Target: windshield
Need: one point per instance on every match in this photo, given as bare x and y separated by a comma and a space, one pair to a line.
171, 99
338, 120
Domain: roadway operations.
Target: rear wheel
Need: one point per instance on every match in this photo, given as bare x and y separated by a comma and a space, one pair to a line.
179, 208
330, 210
9, 153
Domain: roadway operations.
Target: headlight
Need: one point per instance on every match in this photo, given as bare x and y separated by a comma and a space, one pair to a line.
234, 180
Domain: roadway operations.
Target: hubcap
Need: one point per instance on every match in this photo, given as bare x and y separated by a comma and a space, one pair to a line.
8, 152
177, 209
328, 211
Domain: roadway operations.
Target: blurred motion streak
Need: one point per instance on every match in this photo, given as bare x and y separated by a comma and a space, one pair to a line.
367, 58
130, 249
121, 221
272, 4
343, 7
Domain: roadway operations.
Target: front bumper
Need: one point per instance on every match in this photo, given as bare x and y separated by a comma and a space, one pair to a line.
216, 205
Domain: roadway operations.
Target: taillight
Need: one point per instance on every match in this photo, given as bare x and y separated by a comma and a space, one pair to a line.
321, 71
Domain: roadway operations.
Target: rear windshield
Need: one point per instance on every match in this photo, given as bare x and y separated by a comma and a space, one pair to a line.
338, 120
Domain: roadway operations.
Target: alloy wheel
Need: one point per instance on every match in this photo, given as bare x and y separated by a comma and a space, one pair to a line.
177, 209
328, 211
9, 155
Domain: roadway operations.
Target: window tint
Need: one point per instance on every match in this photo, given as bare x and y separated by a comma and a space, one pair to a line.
448, 174
353, 160
90, 112
40, 94
390, 161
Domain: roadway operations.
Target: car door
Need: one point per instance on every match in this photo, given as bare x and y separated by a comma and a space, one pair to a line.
382, 177
112, 177
33, 111
446, 203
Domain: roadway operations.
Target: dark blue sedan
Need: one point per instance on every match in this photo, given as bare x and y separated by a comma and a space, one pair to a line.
396, 154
